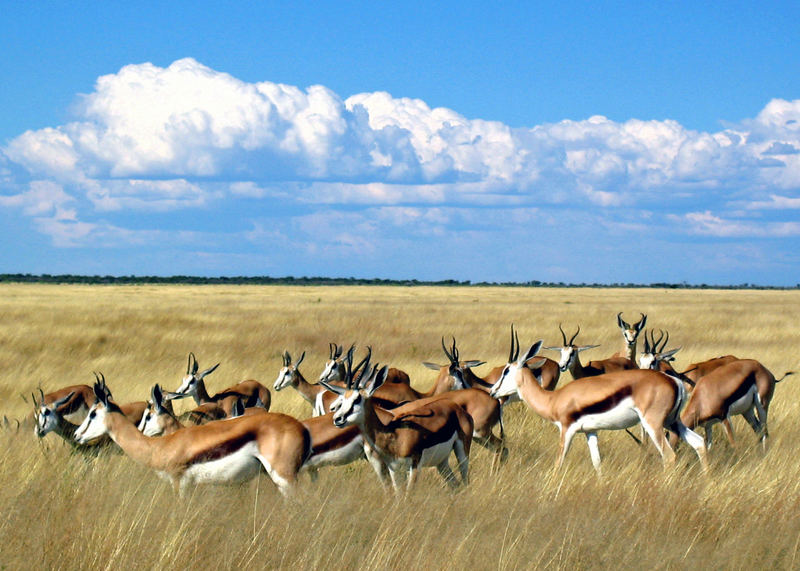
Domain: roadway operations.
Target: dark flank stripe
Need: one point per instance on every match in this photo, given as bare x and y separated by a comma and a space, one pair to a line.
436, 434
603, 405
740, 391
222, 449
340, 438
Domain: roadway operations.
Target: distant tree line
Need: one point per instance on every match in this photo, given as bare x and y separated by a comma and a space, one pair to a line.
325, 281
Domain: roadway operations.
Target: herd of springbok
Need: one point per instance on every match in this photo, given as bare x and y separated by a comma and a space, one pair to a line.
362, 410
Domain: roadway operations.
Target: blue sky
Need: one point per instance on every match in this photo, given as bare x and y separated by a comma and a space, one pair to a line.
621, 142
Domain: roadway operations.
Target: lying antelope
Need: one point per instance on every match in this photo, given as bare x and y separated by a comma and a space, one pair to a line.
630, 335
226, 452
741, 387
612, 401
193, 384
400, 444
571, 360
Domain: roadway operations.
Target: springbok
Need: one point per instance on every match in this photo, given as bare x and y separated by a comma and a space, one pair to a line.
741, 387
612, 401
655, 357
571, 360
54, 415
226, 452
401, 444
630, 335
193, 384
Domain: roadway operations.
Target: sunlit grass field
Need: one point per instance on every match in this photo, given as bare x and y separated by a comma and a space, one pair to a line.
62, 511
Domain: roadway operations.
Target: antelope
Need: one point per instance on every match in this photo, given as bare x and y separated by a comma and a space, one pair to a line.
317, 395
571, 360
329, 445
741, 387
226, 452
630, 334
50, 415
193, 384
654, 357
613, 401
546, 370
400, 444
396, 389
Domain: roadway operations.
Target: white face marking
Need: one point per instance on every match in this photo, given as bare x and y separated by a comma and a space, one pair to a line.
188, 385
46, 421
348, 409
330, 372
506, 385
151, 424
567, 355
285, 378
93, 426
647, 361
630, 335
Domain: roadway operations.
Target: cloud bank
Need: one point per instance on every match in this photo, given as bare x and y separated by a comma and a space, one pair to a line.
153, 140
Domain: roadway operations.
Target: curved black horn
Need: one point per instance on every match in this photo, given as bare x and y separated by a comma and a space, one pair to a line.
571, 341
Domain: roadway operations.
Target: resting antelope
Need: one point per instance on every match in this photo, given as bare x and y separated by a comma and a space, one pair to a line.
225, 452
612, 401
400, 444
741, 387
630, 335
571, 360
193, 384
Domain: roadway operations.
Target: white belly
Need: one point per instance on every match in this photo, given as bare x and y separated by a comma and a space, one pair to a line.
351, 452
241, 466
743, 404
439, 453
623, 415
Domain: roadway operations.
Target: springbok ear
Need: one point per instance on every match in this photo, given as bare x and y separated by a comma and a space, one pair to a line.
432, 366
668, 355
157, 396
300, 360
333, 388
585, 347
473, 363
208, 371
63, 401
640, 325
531, 352
621, 322
553, 348
376, 381
536, 364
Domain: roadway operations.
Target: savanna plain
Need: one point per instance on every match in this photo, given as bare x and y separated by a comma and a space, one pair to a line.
63, 511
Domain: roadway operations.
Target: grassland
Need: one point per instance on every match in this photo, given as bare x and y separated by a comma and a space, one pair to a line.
61, 511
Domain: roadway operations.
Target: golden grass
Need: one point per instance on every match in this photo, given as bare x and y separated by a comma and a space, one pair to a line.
63, 512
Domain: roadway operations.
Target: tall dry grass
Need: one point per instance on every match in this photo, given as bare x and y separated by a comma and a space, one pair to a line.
63, 511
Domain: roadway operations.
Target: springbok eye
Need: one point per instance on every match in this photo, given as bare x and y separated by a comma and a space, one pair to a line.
46, 412
93, 414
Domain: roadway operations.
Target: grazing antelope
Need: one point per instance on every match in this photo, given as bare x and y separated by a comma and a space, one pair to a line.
400, 444
612, 401
571, 360
630, 334
193, 384
227, 452
741, 387
76, 400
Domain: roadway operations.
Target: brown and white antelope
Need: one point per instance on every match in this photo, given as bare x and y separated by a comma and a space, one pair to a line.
315, 394
655, 357
570, 359
401, 444
741, 387
613, 401
193, 384
630, 335
226, 452
54, 415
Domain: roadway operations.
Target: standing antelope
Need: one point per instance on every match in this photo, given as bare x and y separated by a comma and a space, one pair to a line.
630, 334
226, 452
400, 444
612, 401
571, 360
654, 357
54, 415
193, 384
741, 387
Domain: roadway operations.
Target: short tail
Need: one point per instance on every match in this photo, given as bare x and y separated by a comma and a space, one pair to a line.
786, 374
